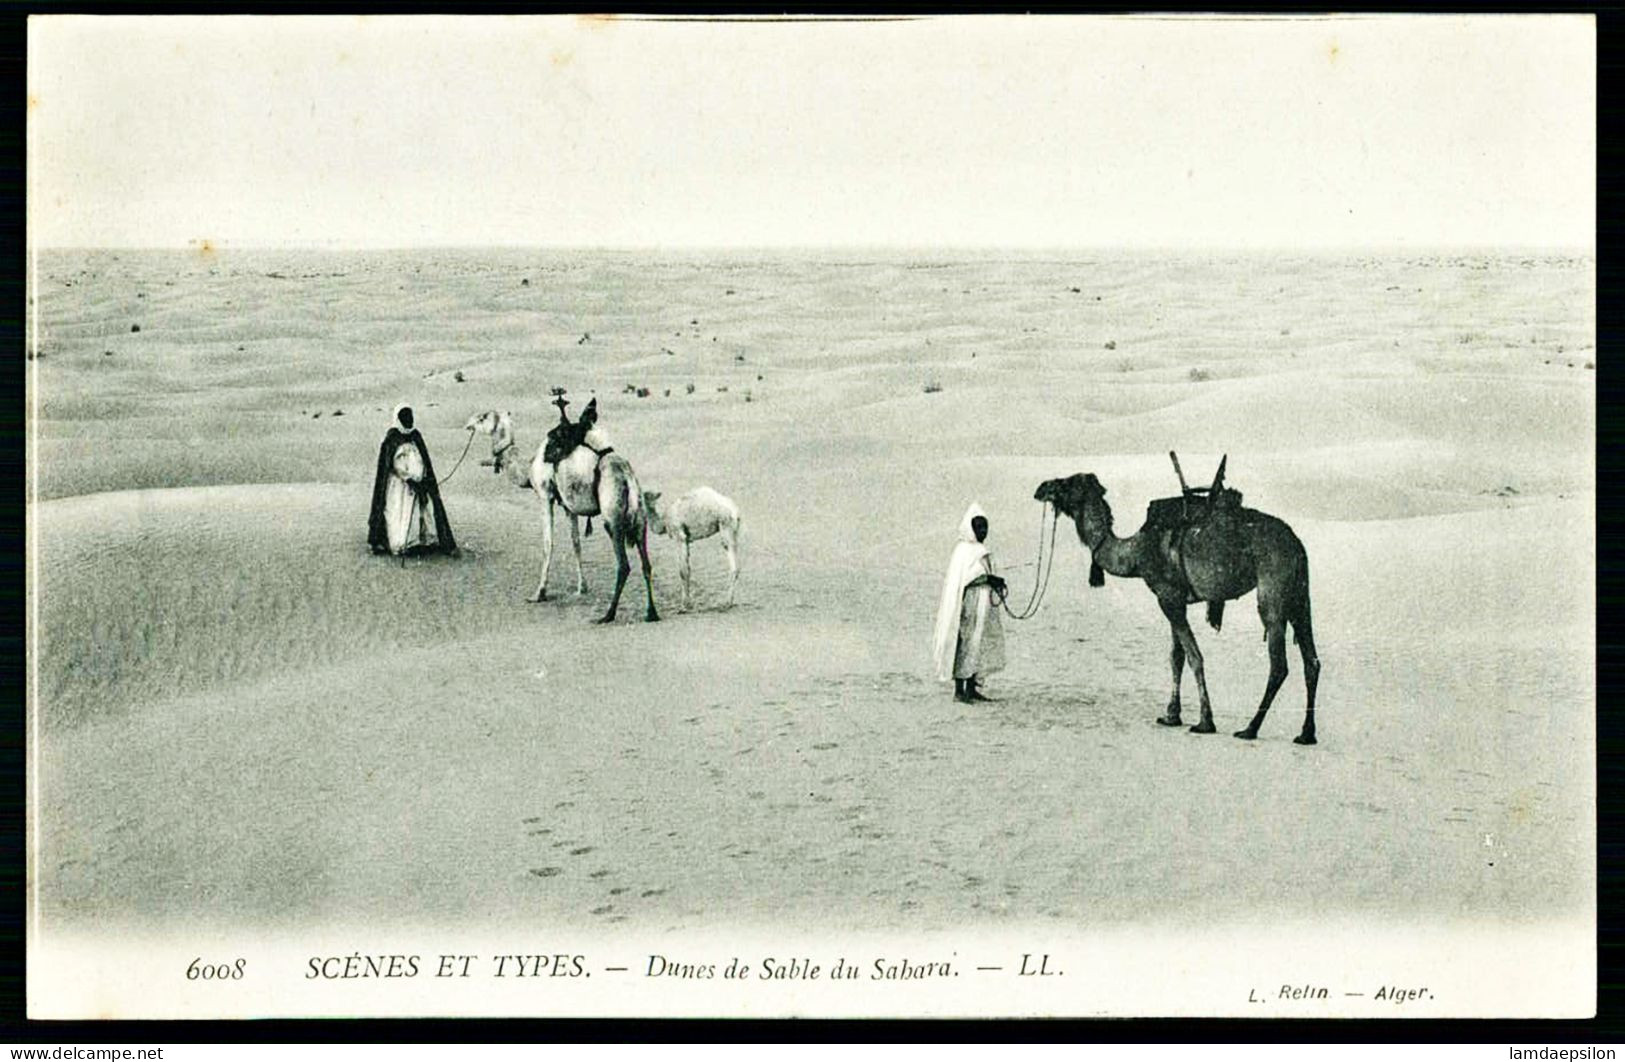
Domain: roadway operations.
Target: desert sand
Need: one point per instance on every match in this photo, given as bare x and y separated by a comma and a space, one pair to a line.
245, 718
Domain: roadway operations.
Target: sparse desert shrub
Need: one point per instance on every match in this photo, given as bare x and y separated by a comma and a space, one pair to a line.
668, 392
1591, 365
737, 357
933, 386
135, 328
1200, 375
689, 389
747, 395
643, 392
458, 376
723, 389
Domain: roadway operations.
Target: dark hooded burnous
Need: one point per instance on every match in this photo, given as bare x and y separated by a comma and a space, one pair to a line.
407, 515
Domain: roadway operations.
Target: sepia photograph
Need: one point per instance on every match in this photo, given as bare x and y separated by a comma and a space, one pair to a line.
974, 516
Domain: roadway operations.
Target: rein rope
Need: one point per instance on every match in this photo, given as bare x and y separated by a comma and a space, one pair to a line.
1041, 576
459, 463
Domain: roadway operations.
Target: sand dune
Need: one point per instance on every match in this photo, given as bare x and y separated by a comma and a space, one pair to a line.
249, 718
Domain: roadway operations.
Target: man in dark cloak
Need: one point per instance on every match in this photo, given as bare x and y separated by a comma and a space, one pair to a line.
405, 493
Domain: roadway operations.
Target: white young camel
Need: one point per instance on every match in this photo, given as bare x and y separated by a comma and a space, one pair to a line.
587, 479
699, 514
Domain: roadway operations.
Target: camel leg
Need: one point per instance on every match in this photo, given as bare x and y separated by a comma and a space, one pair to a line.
651, 616
728, 547
622, 567
686, 572
1311, 676
575, 542
547, 551
1174, 609
1275, 634
1176, 663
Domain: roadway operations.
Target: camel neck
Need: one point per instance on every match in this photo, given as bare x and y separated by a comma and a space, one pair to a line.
1094, 523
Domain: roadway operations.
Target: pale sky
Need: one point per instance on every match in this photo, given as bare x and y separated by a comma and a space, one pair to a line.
959, 131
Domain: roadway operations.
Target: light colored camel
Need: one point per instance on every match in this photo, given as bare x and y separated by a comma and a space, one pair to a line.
588, 480
697, 515
1217, 560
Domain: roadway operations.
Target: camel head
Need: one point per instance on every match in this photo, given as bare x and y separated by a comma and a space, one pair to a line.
499, 426
656, 523
1068, 495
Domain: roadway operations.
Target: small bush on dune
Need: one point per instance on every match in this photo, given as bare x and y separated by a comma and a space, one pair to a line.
932, 387
1200, 375
689, 389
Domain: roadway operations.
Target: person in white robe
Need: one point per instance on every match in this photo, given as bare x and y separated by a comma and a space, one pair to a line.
968, 641
407, 515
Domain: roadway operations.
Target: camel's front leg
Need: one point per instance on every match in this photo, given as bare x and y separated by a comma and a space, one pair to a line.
730, 547
1176, 663
1173, 607
575, 542
547, 548
687, 573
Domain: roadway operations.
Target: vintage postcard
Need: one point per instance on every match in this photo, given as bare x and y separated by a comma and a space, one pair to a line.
973, 516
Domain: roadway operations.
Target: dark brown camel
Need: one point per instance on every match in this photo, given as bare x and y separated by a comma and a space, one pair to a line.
1230, 553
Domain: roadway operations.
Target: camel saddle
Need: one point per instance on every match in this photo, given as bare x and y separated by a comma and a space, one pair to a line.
1173, 518
563, 440
1190, 509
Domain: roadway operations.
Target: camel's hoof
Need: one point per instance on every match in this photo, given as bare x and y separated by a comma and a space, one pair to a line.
651, 616
1169, 720
1247, 735
536, 599
1204, 727
608, 617
1304, 739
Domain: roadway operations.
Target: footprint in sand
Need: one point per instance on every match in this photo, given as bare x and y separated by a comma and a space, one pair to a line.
646, 893
581, 851
561, 805
617, 891
825, 746
595, 875
532, 820
543, 832
604, 910
548, 872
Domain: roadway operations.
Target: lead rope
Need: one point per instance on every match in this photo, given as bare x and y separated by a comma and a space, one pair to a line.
459, 463
1041, 576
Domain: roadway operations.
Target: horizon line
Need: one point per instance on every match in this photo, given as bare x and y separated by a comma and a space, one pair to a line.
219, 247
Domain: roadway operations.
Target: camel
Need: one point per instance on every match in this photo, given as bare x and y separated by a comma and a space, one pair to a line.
697, 515
1218, 560
586, 478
